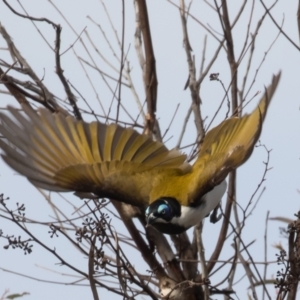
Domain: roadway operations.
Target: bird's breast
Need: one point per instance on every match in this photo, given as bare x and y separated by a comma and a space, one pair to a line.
192, 215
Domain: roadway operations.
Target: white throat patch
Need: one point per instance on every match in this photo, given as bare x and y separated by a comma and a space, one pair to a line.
191, 216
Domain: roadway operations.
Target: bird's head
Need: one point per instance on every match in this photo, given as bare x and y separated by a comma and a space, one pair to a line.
163, 213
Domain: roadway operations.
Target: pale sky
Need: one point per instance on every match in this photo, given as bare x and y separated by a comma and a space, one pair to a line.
280, 131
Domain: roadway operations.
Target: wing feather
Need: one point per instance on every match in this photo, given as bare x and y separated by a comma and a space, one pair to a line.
133, 146
148, 150
120, 144
59, 153
109, 137
229, 145
224, 148
66, 136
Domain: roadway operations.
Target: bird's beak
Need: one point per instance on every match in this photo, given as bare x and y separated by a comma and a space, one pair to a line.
150, 219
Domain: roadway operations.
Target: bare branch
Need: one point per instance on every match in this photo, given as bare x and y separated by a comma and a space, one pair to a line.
149, 69
276, 24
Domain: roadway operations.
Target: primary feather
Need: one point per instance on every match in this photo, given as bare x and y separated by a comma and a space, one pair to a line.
224, 148
59, 153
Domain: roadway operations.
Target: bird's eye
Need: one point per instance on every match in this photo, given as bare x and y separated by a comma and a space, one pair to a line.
163, 209
147, 211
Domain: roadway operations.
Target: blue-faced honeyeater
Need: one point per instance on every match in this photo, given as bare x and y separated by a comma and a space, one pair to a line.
59, 153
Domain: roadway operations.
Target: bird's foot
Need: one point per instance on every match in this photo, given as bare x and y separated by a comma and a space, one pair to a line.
214, 217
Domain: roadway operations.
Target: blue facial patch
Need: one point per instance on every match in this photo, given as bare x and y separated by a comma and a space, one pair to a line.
163, 209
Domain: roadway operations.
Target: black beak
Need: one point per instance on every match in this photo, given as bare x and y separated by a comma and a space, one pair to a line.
150, 219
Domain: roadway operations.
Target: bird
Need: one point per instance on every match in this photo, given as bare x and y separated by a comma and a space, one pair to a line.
62, 154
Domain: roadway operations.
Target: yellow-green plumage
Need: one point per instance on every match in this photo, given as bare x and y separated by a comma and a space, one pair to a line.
59, 153
224, 148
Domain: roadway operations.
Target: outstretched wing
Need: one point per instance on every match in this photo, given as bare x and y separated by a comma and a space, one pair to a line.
224, 148
59, 153
229, 145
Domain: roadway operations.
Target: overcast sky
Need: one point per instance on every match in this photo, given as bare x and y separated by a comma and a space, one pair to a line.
280, 132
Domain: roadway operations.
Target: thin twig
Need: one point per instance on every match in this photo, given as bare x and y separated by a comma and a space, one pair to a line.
279, 27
